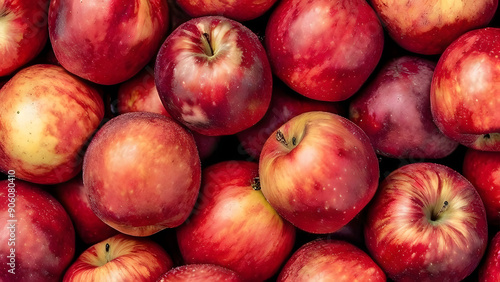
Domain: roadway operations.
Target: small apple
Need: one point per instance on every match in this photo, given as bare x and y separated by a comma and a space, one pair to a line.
120, 258
239, 10
426, 222
213, 76
47, 117
394, 111
142, 173
330, 260
489, 270
38, 239
323, 49
200, 273
464, 90
318, 170
234, 226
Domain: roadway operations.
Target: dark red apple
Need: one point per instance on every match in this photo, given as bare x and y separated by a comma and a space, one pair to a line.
200, 273
489, 270
426, 222
142, 173
234, 226
239, 10
213, 76
394, 111
324, 49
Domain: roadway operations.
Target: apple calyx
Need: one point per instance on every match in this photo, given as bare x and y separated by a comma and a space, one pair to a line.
435, 217
256, 183
209, 51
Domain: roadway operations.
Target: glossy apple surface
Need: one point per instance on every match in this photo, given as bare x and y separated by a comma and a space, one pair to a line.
38, 239
213, 76
200, 273
330, 260
239, 10
489, 270
464, 102
141, 173
318, 170
106, 42
428, 27
47, 116
426, 222
324, 50
482, 169
234, 226
120, 258
394, 111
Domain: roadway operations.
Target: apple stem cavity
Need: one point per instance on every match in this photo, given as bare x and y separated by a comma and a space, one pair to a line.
443, 208
208, 47
281, 138
256, 183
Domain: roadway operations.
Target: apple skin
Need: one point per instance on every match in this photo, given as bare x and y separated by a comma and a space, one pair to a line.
464, 87
239, 10
428, 27
488, 270
410, 238
394, 111
142, 173
89, 228
330, 260
482, 169
234, 226
308, 48
139, 94
47, 116
44, 239
106, 42
325, 178
23, 25
285, 104
127, 259
219, 94
200, 273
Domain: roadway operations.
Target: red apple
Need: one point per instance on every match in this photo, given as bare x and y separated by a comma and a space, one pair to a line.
330, 260
489, 270
464, 90
285, 104
139, 94
394, 111
426, 222
107, 42
89, 228
200, 273
213, 76
23, 29
318, 170
239, 10
142, 173
38, 239
482, 169
234, 226
120, 258
324, 49
47, 116
428, 27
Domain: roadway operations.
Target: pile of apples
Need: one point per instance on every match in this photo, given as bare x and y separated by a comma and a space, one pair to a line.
273, 140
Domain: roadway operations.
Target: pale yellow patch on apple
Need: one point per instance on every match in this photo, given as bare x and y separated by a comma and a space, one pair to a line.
11, 35
143, 24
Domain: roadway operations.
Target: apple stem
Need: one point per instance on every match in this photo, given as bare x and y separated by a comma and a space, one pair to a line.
207, 42
107, 252
281, 138
256, 183
443, 208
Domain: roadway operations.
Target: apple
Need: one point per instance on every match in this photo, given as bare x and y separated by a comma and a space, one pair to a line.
488, 270
323, 49
464, 102
285, 104
47, 116
200, 273
426, 222
482, 169
330, 260
213, 76
428, 27
23, 29
234, 226
139, 94
89, 228
142, 173
318, 170
106, 42
394, 111
38, 239
120, 258
239, 10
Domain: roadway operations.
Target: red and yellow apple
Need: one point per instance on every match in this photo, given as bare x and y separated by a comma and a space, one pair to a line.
200, 273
